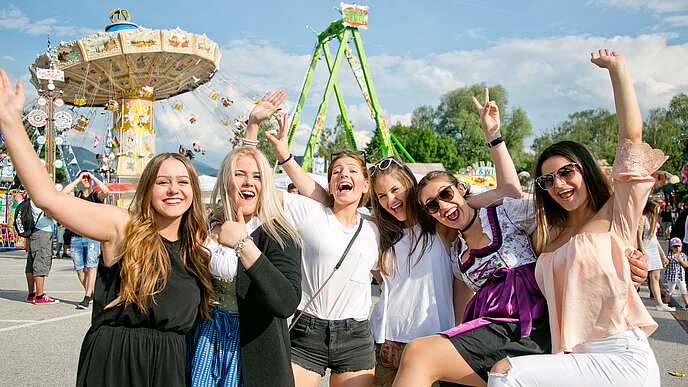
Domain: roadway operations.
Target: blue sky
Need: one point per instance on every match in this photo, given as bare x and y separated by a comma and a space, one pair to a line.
417, 51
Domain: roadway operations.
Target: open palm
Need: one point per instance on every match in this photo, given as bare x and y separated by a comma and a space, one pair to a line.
11, 98
267, 106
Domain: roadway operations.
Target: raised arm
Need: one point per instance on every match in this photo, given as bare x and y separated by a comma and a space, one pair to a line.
625, 100
507, 178
95, 221
104, 190
263, 110
306, 185
69, 188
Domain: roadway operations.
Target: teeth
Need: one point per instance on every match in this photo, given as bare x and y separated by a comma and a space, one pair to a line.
173, 201
451, 212
396, 206
248, 193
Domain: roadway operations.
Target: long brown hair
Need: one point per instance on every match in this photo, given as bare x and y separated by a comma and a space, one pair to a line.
651, 211
144, 259
391, 229
548, 213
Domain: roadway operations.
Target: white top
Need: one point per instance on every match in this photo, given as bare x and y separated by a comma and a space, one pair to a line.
654, 260
418, 303
41, 220
347, 295
223, 260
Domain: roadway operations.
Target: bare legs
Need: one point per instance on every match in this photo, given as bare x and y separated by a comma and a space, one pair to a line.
306, 378
433, 358
35, 284
87, 277
653, 277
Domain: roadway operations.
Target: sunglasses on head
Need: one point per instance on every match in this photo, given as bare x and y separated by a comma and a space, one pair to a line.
565, 173
358, 153
383, 164
445, 195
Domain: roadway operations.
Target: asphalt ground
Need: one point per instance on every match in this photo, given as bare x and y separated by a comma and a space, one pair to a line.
39, 344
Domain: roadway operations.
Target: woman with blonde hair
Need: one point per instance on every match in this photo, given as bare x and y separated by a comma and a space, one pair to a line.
256, 267
153, 278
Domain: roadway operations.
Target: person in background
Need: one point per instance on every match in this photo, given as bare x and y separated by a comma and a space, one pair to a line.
85, 251
656, 259
291, 188
39, 257
674, 274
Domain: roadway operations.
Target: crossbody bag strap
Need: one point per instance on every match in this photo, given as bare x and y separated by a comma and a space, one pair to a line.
341, 260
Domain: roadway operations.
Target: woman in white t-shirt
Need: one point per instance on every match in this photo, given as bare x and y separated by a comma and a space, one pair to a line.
333, 331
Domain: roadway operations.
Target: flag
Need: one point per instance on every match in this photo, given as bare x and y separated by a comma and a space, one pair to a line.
96, 142
115, 143
108, 140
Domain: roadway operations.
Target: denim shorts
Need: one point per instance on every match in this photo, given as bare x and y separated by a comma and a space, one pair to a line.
340, 345
84, 252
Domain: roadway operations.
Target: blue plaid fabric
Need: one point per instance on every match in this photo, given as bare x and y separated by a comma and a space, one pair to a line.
212, 357
674, 272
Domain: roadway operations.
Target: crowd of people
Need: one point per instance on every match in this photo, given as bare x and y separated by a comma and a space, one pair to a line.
476, 289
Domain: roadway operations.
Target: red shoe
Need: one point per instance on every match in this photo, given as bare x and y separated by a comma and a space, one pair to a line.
45, 300
31, 299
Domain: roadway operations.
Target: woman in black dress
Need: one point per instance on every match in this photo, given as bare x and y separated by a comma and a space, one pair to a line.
154, 277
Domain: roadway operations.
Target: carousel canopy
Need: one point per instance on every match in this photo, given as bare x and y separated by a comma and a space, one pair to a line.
131, 62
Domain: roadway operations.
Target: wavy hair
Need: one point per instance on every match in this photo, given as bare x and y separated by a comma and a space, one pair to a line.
548, 213
651, 211
144, 259
270, 212
391, 229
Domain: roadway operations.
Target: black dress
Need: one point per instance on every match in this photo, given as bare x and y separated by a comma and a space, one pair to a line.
127, 347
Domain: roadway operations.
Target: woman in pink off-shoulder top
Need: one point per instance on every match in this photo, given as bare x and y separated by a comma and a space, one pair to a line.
584, 235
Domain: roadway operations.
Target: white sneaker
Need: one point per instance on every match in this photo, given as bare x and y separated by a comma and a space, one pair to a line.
665, 308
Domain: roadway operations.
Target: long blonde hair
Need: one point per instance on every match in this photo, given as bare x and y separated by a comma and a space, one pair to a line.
270, 211
144, 259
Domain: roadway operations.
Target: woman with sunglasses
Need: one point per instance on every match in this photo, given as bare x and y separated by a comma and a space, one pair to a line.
584, 229
491, 252
333, 331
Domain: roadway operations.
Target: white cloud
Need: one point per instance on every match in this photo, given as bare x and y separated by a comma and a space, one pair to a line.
677, 21
663, 6
12, 18
9, 58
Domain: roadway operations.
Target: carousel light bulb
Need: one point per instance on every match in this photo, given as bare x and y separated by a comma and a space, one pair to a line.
51, 86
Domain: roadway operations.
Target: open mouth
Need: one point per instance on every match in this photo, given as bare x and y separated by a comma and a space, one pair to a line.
344, 187
565, 194
452, 214
247, 195
397, 207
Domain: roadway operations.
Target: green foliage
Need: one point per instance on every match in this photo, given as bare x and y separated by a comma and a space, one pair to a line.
596, 128
667, 129
263, 145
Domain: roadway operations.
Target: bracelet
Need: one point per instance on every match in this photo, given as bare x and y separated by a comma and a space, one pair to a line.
291, 156
496, 141
246, 141
241, 243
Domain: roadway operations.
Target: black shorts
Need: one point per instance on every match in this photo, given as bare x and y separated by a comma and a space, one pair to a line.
484, 346
341, 345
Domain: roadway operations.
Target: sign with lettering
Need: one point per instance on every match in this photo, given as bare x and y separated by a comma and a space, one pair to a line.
355, 15
50, 74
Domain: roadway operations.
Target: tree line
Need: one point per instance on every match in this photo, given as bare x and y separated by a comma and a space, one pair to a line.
450, 133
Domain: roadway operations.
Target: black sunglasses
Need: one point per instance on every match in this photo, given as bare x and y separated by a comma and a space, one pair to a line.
383, 164
445, 195
359, 153
565, 173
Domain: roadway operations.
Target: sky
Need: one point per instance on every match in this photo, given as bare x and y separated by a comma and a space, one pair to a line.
417, 51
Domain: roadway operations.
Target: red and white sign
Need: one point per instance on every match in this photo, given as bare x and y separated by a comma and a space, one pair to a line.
59, 102
50, 74
355, 15
42, 101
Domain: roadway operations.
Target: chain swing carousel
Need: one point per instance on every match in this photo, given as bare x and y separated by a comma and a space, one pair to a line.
122, 72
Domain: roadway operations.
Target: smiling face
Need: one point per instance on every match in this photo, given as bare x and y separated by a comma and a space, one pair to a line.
454, 213
172, 192
347, 182
245, 186
570, 194
391, 194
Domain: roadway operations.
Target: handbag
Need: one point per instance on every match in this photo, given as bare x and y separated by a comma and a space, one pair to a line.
348, 247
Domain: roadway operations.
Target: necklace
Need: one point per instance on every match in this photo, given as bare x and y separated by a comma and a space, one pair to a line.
475, 215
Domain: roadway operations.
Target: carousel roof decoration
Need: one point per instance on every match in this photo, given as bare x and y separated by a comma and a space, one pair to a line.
130, 61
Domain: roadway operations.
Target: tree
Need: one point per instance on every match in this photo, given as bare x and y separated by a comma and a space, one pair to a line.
263, 145
457, 118
667, 129
423, 117
422, 144
596, 128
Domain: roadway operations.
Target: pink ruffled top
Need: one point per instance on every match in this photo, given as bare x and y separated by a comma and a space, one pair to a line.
587, 281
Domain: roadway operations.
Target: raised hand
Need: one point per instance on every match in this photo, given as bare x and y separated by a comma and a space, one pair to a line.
607, 59
232, 231
280, 140
11, 97
489, 116
267, 106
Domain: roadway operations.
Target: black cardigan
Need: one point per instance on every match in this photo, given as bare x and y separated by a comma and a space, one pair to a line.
267, 294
